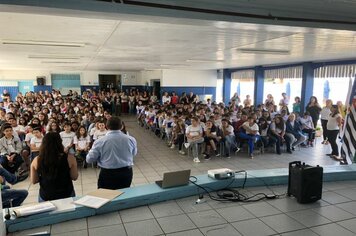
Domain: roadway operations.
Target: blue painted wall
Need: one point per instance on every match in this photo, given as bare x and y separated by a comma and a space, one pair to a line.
226, 86
42, 88
195, 90
13, 90
25, 86
259, 84
307, 85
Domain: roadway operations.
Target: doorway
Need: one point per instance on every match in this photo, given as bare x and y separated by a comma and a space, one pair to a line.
107, 82
156, 88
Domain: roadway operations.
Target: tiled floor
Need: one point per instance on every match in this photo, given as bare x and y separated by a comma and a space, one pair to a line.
334, 215
183, 217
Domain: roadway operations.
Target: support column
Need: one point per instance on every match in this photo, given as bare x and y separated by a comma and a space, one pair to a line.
259, 85
307, 84
226, 86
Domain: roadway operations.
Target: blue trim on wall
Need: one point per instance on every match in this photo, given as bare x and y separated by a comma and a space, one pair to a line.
307, 84
196, 90
13, 90
226, 86
42, 88
259, 84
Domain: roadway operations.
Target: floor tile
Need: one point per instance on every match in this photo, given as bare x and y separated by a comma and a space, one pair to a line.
303, 232
112, 218
260, 209
74, 233
176, 223
33, 231
349, 224
235, 213
206, 218
334, 198
282, 223
68, 226
349, 193
193, 232
136, 214
143, 228
348, 206
189, 205
308, 218
111, 230
166, 209
332, 230
220, 230
253, 227
333, 213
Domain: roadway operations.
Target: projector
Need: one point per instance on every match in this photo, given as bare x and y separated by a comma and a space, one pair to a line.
223, 173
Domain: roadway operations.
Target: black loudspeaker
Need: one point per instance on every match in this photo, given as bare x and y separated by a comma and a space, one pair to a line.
41, 80
305, 182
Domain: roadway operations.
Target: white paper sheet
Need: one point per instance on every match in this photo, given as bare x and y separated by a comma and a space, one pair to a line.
63, 205
91, 201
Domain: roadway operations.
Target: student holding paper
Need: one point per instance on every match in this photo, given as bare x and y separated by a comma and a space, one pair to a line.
54, 169
114, 154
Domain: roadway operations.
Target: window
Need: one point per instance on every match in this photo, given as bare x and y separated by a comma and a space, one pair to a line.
243, 83
285, 80
332, 82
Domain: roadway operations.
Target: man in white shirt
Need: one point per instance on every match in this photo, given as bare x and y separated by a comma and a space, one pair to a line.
251, 134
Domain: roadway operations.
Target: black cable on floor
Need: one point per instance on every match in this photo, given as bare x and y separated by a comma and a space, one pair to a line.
233, 195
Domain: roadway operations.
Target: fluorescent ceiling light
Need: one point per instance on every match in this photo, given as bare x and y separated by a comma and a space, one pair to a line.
168, 65
54, 57
41, 43
263, 51
203, 60
59, 62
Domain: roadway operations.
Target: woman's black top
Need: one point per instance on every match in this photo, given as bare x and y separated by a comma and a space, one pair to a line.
314, 111
58, 186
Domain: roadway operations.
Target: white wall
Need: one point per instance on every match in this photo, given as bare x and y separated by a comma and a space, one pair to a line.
20, 75
189, 78
146, 76
87, 77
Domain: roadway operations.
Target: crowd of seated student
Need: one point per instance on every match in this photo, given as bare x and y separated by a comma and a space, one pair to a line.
25, 122
183, 120
193, 122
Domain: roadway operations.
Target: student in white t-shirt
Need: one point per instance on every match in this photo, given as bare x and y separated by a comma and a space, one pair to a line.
194, 133
251, 134
35, 142
101, 132
228, 137
67, 138
29, 135
167, 125
82, 144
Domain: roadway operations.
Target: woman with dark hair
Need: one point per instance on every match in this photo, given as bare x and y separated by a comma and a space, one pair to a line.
54, 169
333, 127
314, 109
